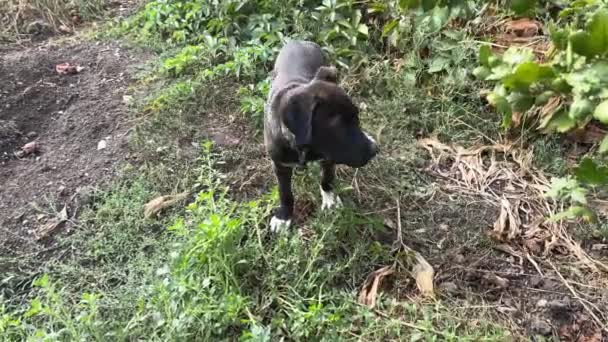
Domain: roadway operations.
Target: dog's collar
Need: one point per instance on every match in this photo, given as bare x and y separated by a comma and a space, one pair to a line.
301, 160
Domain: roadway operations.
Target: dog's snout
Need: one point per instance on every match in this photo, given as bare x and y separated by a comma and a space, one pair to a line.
373, 146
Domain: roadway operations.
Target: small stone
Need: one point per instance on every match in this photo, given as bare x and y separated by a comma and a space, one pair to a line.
449, 287
459, 258
536, 281
541, 303
559, 305
61, 190
32, 135
102, 144
31, 147
541, 327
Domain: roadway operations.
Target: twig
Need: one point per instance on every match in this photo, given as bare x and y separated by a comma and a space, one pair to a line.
575, 294
535, 264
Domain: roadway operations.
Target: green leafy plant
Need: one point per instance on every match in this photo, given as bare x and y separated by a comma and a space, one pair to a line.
568, 88
253, 99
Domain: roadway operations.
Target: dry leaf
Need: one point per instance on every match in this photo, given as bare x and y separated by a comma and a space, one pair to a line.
53, 224
523, 27
156, 205
590, 134
423, 273
369, 291
507, 226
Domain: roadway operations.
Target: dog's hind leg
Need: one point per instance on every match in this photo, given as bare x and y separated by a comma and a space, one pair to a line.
282, 217
328, 174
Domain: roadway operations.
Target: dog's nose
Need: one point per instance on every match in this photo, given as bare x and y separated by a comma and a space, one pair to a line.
373, 147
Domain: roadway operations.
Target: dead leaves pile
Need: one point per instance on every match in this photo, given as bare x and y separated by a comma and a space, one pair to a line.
405, 257
523, 32
501, 175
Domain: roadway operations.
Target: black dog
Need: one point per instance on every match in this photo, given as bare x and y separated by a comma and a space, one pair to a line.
309, 117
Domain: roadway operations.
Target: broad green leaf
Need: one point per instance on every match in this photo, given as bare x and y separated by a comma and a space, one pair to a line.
482, 72
589, 81
494, 61
559, 37
484, 55
543, 98
561, 122
591, 173
598, 29
503, 107
580, 108
499, 72
575, 212
579, 195
593, 40
520, 102
522, 6
389, 27
526, 74
601, 112
515, 56
408, 4
438, 18
376, 7
559, 186
428, 4
363, 29
439, 64
561, 85
583, 44
604, 145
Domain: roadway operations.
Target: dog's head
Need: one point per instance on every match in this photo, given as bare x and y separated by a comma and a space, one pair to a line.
323, 119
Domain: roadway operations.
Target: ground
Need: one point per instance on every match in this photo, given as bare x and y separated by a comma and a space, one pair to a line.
67, 117
102, 160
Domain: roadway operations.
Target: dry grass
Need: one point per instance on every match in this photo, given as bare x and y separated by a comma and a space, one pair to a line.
20, 18
502, 176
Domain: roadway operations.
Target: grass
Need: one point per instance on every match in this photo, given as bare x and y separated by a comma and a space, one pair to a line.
18, 16
210, 270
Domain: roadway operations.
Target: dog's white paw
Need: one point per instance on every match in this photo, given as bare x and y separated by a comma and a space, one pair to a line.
330, 200
276, 224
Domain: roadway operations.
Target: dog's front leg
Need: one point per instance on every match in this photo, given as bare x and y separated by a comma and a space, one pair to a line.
282, 217
328, 174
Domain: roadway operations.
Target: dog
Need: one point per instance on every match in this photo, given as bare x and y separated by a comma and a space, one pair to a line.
308, 117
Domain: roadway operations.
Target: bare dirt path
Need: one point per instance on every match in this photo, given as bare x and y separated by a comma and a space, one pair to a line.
74, 128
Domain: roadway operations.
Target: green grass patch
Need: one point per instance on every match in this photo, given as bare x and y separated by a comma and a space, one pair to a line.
218, 274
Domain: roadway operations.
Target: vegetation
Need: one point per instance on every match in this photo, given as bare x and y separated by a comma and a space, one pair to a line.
562, 92
215, 272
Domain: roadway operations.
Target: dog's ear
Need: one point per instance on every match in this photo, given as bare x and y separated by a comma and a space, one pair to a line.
327, 73
297, 116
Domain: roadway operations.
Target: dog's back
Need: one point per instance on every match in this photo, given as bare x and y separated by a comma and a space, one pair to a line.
297, 63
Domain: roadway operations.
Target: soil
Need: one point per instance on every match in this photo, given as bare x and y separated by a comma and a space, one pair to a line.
69, 117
